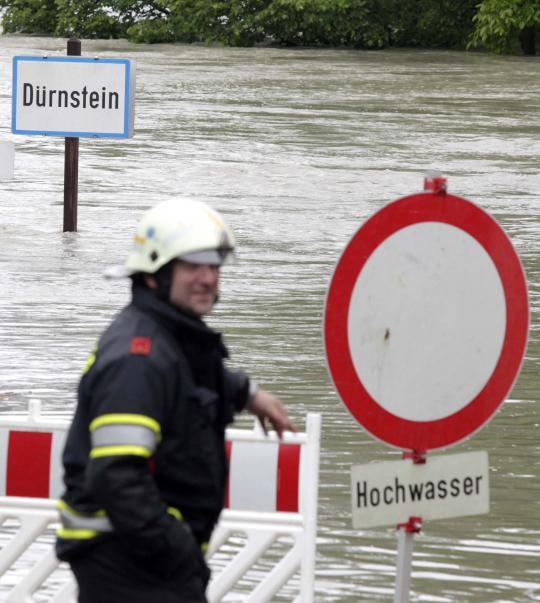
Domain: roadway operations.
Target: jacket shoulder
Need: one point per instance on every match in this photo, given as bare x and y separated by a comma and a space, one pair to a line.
134, 333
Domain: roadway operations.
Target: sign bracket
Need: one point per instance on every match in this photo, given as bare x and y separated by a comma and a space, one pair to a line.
436, 183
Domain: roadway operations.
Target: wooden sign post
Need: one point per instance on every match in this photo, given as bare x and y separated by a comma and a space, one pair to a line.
71, 162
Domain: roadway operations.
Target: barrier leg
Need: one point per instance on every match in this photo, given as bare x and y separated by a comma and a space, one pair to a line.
310, 494
29, 583
406, 532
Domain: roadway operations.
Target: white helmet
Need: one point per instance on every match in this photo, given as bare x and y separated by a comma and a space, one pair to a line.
178, 229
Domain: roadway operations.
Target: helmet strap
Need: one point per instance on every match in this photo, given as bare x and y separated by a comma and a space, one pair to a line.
164, 279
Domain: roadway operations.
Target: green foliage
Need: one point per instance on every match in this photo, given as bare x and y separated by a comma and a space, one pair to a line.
500, 23
230, 22
151, 31
288, 22
322, 22
351, 23
88, 19
429, 23
112, 19
143, 20
29, 16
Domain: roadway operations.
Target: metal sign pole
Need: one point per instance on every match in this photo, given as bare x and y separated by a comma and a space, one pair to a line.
71, 162
406, 532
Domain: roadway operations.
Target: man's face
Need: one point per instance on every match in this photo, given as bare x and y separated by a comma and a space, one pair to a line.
194, 287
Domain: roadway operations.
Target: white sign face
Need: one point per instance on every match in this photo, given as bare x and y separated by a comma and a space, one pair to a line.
73, 96
442, 303
426, 321
445, 486
7, 159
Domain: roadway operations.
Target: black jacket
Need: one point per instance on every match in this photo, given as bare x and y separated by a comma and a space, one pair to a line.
144, 459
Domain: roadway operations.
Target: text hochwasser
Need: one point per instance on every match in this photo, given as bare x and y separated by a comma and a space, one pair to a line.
399, 493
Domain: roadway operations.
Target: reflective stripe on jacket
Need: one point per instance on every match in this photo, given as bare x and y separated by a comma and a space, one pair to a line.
124, 433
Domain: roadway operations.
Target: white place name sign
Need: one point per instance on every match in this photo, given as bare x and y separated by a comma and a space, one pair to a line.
445, 486
73, 96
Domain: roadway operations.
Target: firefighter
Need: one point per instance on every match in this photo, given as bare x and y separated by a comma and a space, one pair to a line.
144, 461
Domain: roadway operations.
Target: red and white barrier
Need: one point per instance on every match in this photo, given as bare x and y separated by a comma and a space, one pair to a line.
31, 468
270, 509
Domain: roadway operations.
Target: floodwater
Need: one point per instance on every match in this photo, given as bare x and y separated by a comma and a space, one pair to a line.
297, 148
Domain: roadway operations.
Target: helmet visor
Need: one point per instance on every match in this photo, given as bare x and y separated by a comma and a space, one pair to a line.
213, 257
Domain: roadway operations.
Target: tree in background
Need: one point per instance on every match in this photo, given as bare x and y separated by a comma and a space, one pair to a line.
29, 16
112, 19
142, 20
146, 21
229, 22
286, 22
88, 19
497, 25
504, 26
429, 23
348, 23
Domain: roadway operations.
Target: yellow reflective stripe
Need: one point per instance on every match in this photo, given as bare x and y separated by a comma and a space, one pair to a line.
76, 534
175, 512
90, 361
131, 419
63, 506
204, 546
119, 450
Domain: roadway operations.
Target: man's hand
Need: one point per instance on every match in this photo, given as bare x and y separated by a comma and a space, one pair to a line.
267, 407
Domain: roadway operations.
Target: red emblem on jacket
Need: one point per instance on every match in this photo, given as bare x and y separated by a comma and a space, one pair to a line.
140, 346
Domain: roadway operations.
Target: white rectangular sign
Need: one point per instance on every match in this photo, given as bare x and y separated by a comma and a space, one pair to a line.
445, 486
73, 96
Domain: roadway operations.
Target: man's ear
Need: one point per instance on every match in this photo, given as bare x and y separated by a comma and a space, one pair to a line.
150, 281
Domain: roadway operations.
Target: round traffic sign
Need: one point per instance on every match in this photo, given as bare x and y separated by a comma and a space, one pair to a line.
426, 321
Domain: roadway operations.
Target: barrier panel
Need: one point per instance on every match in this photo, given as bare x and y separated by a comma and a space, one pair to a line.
263, 546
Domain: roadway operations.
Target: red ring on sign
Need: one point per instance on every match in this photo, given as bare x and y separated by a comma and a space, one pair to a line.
415, 209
